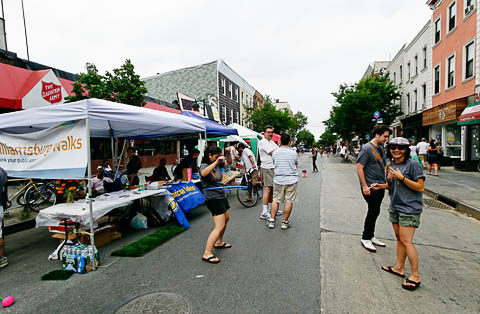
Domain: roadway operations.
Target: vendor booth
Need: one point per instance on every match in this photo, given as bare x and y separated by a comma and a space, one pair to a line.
53, 142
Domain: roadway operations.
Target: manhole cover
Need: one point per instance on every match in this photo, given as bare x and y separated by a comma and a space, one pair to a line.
157, 303
436, 203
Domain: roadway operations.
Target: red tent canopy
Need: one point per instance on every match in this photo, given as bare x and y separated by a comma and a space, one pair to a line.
155, 106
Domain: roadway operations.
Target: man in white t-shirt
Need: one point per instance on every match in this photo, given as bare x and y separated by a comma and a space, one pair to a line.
266, 148
343, 151
422, 151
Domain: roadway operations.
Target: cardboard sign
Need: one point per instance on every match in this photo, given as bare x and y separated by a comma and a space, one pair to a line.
56, 153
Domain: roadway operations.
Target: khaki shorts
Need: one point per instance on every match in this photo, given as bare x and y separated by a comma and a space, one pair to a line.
405, 220
285, 193
267, 176
423, 157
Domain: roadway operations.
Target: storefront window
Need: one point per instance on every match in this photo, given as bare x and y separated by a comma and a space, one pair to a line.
475, 142
453, 140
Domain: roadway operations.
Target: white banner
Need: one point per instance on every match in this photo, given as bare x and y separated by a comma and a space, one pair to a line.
57, 153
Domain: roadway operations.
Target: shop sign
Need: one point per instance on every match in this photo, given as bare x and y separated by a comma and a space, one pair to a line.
443, 113
51, 92
56, 153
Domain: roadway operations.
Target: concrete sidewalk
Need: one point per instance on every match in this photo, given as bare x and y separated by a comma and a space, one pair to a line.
460, 190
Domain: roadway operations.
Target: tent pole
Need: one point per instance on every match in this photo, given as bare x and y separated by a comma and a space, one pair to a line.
113, 153
89, 195
121, 155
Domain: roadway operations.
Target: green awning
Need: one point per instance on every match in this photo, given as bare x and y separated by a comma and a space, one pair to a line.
470, 115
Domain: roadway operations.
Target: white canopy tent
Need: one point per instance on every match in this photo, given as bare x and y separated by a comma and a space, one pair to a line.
245, 132
103, 119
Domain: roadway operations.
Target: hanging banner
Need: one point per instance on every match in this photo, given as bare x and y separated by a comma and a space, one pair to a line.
56, 153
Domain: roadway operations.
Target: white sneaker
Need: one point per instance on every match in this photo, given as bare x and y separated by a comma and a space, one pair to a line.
264, 216
279, 213
271, 224
378, 242
285, 225
368, 245
3, 261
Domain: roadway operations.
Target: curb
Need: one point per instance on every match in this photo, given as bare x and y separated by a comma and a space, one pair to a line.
458, 205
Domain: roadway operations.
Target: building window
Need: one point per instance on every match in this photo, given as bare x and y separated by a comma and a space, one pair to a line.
424, 57
238, 121
469, 5
400, 72
408, 102
408, 70
452, 16
231, 115
436, 89
469, 51
451, 71
224, 114
242, 98
416, 99
236, 94
416, 65
424, 94
394, 78
438, 29
230, 89
224, 92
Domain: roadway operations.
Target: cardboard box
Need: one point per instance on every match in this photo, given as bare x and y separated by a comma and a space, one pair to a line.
102, 237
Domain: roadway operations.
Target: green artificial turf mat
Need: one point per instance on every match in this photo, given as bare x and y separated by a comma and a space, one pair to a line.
58, 275
149, 242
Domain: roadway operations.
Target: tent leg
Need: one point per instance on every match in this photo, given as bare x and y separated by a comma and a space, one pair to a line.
113, 152
89, 195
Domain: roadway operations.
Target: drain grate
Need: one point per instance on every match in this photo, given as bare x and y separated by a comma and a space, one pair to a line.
157, 303
430, 202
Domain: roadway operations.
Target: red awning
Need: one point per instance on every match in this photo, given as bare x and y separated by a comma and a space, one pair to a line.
470, 115
158, 107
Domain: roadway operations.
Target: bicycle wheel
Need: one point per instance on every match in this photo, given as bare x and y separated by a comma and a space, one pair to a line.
244, 195
21, 199
40, 197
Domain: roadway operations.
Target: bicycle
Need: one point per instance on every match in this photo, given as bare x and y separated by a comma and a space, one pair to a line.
243, 195
32, 195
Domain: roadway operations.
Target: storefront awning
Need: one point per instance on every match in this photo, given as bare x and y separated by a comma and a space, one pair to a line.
471, 115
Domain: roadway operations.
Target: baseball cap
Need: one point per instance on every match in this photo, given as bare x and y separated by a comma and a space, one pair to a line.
399, 141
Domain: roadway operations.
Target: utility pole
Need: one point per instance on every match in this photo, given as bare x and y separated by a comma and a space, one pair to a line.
4, 31
25, 27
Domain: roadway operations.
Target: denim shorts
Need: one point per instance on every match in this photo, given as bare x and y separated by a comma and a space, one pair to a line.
405, 220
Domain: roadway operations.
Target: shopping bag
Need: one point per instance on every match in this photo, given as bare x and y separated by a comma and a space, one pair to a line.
186, 195
139, 222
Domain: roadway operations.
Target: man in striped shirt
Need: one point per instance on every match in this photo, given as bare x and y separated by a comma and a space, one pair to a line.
284, 181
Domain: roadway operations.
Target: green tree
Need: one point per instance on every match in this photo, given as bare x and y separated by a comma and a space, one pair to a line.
327, 138
269, 115
356, 103
299, 121
123, 85
306, 137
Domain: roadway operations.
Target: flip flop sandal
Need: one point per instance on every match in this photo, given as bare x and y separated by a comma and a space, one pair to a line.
225, 245
209, 260
411, 288
389, 269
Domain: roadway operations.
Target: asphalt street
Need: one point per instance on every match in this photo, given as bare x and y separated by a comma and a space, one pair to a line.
316, 266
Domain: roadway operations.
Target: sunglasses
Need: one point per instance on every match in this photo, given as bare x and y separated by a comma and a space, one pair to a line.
397, 147
269, 132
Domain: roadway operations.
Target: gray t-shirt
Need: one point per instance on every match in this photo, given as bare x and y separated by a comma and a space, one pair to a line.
402, 198
213, 180
373, 160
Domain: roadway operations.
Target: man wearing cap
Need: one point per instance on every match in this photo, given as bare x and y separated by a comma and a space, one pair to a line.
97, 182
371, 168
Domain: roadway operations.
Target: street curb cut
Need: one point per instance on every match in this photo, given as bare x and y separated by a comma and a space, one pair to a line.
458, 205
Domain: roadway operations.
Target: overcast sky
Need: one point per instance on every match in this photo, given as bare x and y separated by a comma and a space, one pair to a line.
299, 51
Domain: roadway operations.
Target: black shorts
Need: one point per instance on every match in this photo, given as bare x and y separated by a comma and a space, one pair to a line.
217, 206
